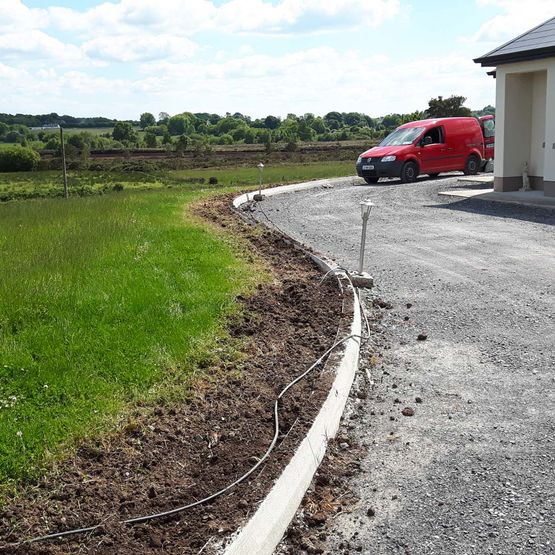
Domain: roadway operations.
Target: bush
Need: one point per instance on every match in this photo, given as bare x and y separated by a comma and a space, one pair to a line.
213, 180
18, 159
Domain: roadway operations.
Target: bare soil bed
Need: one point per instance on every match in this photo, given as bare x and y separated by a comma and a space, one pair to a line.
168, 456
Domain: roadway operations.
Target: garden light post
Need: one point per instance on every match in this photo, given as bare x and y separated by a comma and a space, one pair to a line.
365, 208
260, 170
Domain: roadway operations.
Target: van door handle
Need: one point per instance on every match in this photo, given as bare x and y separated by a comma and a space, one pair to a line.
451, 148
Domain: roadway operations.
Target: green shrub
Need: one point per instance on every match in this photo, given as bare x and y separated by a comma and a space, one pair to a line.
213, 180
18, 159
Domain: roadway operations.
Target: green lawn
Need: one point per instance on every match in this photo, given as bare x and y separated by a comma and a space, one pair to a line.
103, 301
109, 299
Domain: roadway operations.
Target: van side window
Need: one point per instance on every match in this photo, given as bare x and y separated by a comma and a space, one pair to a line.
436, 134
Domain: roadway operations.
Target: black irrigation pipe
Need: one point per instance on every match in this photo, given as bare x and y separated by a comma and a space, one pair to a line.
147, 518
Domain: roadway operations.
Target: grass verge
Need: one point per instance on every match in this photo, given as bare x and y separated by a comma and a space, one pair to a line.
104, 301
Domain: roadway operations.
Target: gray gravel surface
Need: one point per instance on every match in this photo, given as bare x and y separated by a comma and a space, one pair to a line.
473, 470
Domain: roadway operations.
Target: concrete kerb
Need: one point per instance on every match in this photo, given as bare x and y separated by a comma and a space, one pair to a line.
264, 530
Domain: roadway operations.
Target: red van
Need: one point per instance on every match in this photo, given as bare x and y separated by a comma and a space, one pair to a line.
430, 146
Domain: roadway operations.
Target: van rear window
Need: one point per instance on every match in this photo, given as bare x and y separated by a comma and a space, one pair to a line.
402, 136
489, 128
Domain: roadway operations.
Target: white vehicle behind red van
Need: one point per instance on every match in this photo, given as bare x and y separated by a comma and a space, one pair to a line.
430, 147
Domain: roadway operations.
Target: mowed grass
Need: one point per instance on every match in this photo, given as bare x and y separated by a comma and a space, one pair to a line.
104, 301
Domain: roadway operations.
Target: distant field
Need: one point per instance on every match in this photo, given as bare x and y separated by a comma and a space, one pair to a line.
72, 130
104, 301
49, 183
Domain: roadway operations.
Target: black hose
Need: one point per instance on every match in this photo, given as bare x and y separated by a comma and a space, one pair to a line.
141, 519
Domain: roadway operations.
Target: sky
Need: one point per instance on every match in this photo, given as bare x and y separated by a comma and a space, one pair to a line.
121, 58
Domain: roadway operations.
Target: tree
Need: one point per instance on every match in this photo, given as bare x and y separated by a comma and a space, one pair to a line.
181, 124
146, 120
123, 131
318, 125
306, 133
150, 139
391, 121
447, 107
333, 120
181, 144
18, 158
163, 118
271, 122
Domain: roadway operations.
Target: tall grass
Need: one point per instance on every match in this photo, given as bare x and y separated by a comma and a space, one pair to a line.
103, 300
46, 184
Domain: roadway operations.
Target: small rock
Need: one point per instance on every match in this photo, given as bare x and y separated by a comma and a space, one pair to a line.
344, 445
317, 519
418, 399
409, 305
407, 411
422, 337
151, 492
371, 512
407, 318
155, 540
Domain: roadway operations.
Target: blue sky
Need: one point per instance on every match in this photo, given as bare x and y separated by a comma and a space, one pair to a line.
124, 57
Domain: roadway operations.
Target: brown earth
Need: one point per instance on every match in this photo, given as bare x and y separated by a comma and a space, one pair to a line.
168, 456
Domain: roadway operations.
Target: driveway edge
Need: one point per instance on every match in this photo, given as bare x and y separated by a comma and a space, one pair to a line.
264, 530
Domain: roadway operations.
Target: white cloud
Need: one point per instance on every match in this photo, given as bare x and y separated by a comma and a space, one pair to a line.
15, 15
518, 17
186, 17
315, 80
36, 45
138, 48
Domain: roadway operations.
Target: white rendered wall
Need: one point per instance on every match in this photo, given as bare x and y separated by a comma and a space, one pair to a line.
518, 122
537, 136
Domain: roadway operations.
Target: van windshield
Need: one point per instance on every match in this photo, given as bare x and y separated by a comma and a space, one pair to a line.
402, 136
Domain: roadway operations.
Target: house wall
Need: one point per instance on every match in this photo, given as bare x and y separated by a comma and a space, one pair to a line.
537, 131
525, 120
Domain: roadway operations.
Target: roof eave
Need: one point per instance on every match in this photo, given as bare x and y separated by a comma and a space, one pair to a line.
523, 56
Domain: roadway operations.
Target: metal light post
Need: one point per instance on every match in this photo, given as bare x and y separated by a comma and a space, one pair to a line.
260, 170
63, 151
66, 193
365, 208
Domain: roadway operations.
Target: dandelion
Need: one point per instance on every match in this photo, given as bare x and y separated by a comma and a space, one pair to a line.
45, 386
19, 433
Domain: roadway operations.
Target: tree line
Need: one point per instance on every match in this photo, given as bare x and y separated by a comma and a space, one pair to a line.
201, 130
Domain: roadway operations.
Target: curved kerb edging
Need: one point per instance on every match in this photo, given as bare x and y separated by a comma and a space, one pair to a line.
264, 530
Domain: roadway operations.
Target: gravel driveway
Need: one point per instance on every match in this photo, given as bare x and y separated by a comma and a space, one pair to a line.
473, 471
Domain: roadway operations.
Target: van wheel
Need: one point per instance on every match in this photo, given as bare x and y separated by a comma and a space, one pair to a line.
472, 165
409, 172
371, 180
